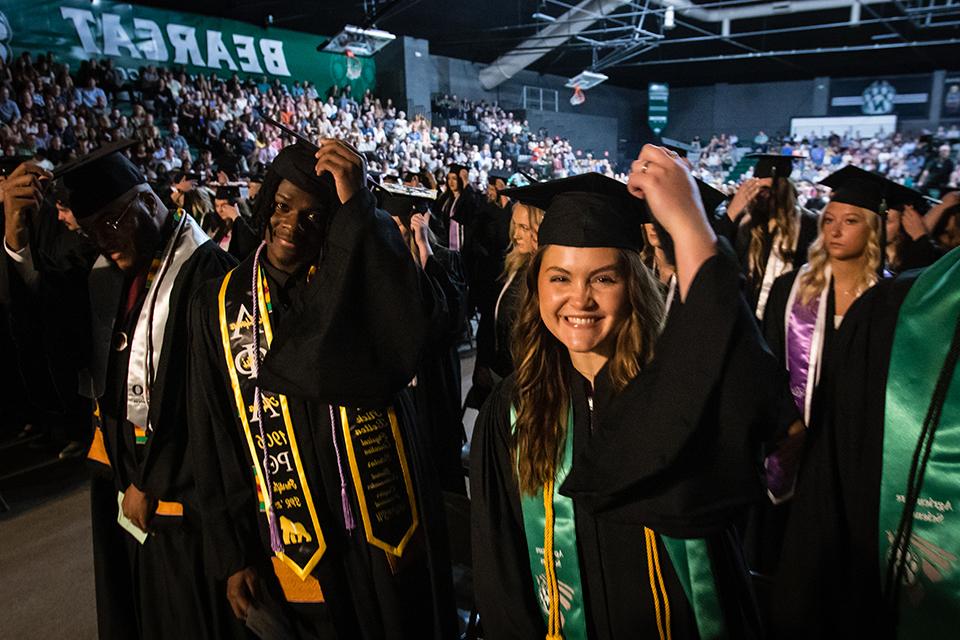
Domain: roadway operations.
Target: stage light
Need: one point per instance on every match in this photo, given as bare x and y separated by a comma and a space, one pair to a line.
586, 80
544, 17
669, 17
361, 42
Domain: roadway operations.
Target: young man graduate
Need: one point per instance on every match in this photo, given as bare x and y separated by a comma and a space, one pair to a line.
320, 511
152, 260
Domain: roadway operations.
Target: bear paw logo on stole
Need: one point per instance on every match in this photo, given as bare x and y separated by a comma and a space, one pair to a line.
293, 532
543, 593
924, 560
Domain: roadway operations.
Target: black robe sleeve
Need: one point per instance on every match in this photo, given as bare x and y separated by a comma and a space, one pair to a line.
680, 446
224, 489
360, 324
828, 583
243, 239
502, 582
164, 471
919, 253
445, 271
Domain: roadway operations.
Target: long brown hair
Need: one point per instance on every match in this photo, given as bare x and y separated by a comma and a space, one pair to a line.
782, 207
540, 396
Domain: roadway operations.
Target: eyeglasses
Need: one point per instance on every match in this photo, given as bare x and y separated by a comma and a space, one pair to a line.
114, 224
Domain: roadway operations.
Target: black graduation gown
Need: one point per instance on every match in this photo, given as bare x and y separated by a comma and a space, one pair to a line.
829, 581
172, 595
506, 316
691, 423
243, 239
763, 537
739, 236
438, 384
360, 342
50, 323
919, 253
363, 599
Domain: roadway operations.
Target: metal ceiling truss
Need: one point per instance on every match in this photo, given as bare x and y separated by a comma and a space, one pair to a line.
931, 13
622, 36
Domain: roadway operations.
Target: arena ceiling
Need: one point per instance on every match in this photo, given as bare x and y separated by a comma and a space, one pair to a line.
632, 41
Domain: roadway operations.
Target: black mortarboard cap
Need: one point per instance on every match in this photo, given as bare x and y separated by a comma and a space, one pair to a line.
9, 163
859, 188
588, 210
682, 150
495, 175
899, 196
402, 202
296, 163
456, 167
99, 177
229, 192
771, 165
711, 197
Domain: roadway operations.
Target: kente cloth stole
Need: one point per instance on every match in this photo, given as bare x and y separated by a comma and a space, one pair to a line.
930, 591
374, 447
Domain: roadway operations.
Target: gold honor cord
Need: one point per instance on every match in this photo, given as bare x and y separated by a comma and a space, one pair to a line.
292, 504
657, 586
549, 566
381, 477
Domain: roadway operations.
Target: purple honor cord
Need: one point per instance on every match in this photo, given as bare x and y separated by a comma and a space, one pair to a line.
348, 521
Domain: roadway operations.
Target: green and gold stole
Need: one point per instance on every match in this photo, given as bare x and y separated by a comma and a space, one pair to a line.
374, 446
929, 604
550, 529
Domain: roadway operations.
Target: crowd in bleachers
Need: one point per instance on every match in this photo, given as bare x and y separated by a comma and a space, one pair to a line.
193, 123
927, 161
186, 122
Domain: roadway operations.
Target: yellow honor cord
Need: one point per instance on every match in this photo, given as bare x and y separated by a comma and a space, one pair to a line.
657, 586
550, 571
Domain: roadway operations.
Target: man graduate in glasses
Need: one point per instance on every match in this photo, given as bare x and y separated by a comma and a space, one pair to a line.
150, 583
319, 505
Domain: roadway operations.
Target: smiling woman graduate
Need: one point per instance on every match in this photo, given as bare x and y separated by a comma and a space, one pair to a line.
622, 457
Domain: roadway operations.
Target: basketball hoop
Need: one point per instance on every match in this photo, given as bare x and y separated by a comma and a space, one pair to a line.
578, 97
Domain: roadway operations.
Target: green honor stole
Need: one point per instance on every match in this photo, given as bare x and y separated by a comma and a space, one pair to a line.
550, 528
551, 532
374, 447
929, 602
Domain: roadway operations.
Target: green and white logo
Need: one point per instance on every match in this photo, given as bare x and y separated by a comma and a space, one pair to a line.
879, 98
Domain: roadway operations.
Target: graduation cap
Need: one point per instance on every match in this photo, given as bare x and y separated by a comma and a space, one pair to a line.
770, 165
299, 137
456, 167
297, 163
401, 201
587, 210
229, 192
854, 186
99, 177
859, 188
682, 150
8, 164
409, 176
495, 175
